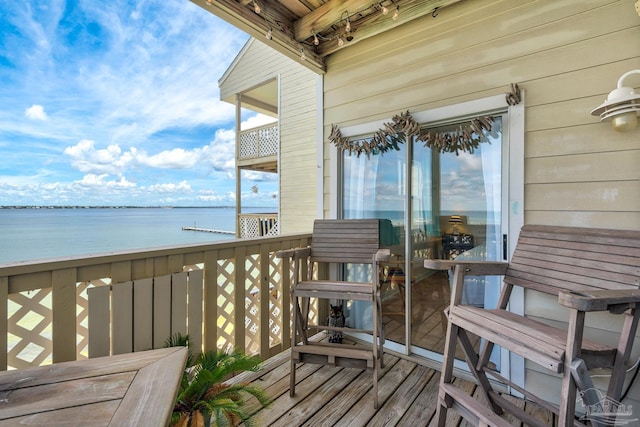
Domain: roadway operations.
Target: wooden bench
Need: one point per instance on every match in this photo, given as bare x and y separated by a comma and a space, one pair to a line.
338, 242
141, 314
588, 270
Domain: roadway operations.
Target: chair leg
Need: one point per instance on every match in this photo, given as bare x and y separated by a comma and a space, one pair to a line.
629, 328
568, 391
567, 399
378, 341
477, 371
375, 346
588, 393
446, 377
294, 342
292, 379
375, 386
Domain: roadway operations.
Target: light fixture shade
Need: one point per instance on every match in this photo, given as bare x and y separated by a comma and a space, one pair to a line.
622, 106
455, 219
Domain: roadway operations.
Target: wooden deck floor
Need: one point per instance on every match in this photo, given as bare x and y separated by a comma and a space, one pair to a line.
331, 396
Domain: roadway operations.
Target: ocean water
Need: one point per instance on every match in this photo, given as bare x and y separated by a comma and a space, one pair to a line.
30, 234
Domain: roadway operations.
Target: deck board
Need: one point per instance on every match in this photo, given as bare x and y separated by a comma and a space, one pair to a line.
333, 396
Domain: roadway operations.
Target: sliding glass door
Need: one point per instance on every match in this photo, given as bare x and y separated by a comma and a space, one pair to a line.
442, 205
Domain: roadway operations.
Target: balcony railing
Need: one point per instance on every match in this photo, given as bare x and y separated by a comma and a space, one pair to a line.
258, 142
44, 309
258, 225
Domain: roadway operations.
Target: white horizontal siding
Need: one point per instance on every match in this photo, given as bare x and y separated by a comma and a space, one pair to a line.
559, 52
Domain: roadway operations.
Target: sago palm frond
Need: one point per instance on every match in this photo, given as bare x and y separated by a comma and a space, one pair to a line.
205, 397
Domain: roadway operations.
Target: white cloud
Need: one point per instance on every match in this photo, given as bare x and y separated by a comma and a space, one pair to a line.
102, 181
36, 112
111, 160
469, 162
219, 155
178, 158
182, 187
256, 121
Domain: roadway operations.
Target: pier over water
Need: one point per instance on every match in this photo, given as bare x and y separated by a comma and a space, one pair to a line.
208, 230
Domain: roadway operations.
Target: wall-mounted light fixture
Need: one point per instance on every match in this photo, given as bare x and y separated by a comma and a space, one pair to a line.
622, 106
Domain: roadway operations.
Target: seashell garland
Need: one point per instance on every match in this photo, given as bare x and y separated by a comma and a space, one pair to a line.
466, 138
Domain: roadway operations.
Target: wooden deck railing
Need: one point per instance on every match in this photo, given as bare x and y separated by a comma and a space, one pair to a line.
258, 225
44, 309
262, 141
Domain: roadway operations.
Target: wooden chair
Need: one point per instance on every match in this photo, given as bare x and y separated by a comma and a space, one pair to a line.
338, 242
588, 270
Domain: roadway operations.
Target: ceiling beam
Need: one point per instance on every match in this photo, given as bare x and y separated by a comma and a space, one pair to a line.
377, 23
290, 35
330, 13
273, 109
256, 25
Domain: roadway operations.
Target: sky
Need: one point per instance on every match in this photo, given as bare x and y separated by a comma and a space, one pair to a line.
111, 103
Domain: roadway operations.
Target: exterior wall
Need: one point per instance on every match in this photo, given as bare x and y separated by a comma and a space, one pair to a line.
299, 148
567, 55
298, 122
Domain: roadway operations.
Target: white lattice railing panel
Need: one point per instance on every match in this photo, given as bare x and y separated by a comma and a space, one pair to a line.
226, 305
249, 227
248, 145
29, 328
268, 141
262, 141
252, 304
273, 230
258, 225
275, 301
82, 314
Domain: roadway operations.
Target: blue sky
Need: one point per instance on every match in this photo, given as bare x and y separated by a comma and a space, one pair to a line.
117, 103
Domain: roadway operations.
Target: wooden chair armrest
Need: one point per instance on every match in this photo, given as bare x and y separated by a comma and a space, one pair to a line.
471, 268
615, 301
296, 253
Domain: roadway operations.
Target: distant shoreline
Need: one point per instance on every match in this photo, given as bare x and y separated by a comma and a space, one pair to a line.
128, 207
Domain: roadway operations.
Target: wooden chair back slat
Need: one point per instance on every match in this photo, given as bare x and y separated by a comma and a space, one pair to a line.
553, 259
345, 241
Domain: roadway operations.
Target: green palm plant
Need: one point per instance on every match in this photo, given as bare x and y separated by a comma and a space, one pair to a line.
204, 399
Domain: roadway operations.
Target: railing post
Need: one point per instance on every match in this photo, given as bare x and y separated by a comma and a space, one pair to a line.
265, 300
239, 299
4, 321
63, 304
210, 300
285, 276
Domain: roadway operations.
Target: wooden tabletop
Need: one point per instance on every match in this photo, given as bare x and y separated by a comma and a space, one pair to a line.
135, 389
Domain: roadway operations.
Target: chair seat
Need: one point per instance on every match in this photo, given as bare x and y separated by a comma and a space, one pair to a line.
537, 341
338, 290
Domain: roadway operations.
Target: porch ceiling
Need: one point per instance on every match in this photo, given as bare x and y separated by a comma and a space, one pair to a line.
263, 99
317, 26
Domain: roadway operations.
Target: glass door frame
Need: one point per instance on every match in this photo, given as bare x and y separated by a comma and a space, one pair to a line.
512, 366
